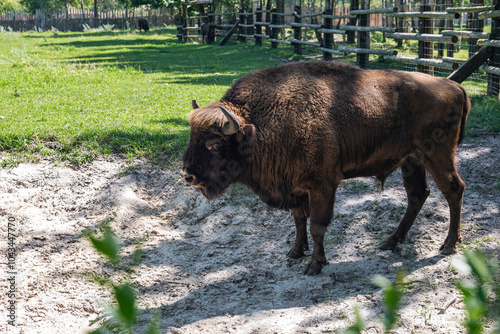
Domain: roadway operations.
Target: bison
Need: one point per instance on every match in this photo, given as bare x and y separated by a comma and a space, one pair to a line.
292, 133
208, 32
143, 24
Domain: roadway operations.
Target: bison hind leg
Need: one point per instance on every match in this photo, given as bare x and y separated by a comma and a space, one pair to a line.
451, 185
417, 190
301, 244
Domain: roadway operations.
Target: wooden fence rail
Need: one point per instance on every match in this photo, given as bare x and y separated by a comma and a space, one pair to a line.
363, 21
318, 29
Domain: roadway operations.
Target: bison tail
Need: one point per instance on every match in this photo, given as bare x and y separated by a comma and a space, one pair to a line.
465, 112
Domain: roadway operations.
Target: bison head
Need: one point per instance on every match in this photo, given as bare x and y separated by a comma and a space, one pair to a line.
218, 151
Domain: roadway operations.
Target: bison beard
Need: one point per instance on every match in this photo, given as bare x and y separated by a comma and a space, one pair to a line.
292, 133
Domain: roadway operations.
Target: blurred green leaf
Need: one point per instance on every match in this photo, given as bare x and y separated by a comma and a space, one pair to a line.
478, 264
392, 296
479, 294
358, 324
125, 297
108, 245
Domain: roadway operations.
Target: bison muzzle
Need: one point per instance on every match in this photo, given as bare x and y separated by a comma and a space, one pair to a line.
292, 133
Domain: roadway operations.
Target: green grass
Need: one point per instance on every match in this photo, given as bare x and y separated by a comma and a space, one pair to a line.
69, 97
484, 115
73, 96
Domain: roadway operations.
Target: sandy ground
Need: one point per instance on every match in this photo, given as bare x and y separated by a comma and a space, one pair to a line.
220, 266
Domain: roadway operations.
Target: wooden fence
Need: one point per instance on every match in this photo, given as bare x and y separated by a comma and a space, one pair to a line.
74, 19
354, 27
318, 28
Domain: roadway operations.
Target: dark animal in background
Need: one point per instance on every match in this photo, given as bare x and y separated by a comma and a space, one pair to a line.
292, 133
208, 32
143, 24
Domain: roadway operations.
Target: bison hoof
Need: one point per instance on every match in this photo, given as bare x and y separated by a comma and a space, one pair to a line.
313, 268
446, 249
295, 254
312, 271
386, 245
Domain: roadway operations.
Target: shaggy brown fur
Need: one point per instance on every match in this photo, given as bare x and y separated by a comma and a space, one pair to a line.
304, 127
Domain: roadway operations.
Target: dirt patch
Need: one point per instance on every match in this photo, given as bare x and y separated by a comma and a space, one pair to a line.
220, 266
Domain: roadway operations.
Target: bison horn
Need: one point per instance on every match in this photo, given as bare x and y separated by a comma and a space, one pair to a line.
195, 104
233, 126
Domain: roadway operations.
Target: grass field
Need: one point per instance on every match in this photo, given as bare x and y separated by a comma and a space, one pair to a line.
70, 97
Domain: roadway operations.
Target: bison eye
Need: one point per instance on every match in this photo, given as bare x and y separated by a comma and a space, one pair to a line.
213, 144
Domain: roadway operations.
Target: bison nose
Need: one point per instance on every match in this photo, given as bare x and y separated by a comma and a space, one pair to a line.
188, 177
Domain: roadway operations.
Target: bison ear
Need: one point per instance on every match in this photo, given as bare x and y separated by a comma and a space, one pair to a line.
195, 104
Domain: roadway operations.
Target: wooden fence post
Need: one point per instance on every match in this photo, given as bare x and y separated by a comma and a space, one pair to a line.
179, 24
494, 80
351, 35
241, 30
425, 49
476, 25
274, 31
96, 15
185, 23
362, 59
268, 17
297, 31
258, 28
400, 23
250, 30
211, 19
328, 24
449, 26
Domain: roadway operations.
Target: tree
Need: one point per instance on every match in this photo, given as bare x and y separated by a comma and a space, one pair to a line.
155, 3
33, 5
10, 5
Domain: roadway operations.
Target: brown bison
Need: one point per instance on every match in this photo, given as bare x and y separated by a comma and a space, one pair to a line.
292, 133
208, 32
143, 24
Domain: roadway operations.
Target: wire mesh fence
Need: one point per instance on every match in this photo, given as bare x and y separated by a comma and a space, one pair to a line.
430, 36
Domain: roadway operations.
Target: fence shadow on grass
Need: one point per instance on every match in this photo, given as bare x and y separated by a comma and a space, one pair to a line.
156, 147
162, 53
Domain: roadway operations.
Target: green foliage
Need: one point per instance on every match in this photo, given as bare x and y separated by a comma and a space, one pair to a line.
33, 5
358, 324
10, 5
392, 295
123, 316
108, 245
157, 3
125, 298
480, 294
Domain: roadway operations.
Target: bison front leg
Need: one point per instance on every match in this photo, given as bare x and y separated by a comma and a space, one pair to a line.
300, 215
321, 210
